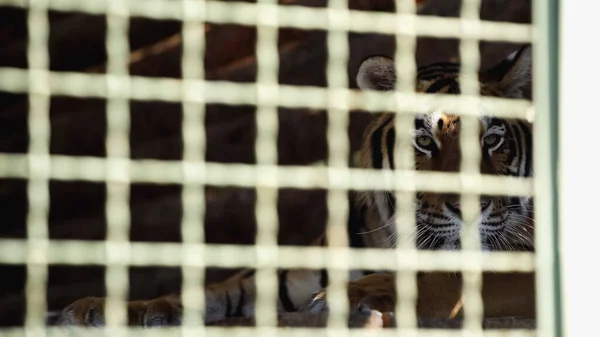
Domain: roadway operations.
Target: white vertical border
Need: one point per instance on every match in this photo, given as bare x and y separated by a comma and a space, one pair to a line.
579, 181
38, 193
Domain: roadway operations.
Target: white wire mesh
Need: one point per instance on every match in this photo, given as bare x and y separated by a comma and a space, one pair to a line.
193, 173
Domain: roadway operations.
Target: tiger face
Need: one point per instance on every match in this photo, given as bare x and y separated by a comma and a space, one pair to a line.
505, 222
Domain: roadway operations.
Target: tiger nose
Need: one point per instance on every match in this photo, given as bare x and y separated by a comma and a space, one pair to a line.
482, 205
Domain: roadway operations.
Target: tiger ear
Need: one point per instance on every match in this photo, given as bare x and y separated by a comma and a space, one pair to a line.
376, 73
513, 74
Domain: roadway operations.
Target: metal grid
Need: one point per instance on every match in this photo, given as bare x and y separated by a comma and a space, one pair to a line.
118, 171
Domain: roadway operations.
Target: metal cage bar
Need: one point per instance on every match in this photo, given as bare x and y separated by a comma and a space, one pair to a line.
471, 158
168, 254
338, 159
545, 82
37, 169
194, 151
405, 68
117, 155
266, 154
170, 90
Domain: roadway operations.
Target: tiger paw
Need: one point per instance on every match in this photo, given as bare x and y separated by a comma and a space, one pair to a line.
89, 311
375, 292
364, 317
162, 311
375, 319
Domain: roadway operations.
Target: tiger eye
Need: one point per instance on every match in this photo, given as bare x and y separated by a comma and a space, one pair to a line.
490, 140
424, 141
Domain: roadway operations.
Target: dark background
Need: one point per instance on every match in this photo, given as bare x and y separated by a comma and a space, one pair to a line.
76, 43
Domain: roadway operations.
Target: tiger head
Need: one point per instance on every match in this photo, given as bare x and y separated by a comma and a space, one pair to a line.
506, 221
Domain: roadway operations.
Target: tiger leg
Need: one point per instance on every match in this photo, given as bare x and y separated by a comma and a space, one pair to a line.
234, 297
439, 294
89, 311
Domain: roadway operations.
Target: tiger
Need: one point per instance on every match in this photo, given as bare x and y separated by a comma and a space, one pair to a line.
506, 222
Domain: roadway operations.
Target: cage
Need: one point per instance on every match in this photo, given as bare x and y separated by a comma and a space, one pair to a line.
130, 126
